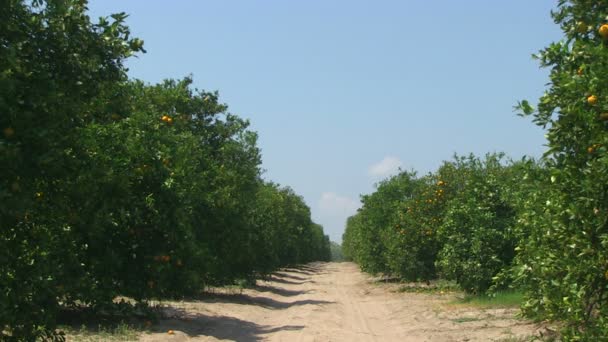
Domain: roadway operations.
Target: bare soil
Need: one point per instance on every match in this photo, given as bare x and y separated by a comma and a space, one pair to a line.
333, 302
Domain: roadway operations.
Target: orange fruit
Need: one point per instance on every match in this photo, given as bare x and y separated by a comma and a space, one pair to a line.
581, 27
603, 116
170, 332
8, 132
592, 99
603, 31
590, 149
579, 71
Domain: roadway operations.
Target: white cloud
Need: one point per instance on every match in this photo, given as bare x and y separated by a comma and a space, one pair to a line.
334, 205
385, 167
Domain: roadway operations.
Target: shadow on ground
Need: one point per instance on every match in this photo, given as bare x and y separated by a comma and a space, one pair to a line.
220, 327
304, 269
277, 278
264, 302
289, 276
279, 291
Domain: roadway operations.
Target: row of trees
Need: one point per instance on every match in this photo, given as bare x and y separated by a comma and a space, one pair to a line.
541, 227
110, 186
457, 223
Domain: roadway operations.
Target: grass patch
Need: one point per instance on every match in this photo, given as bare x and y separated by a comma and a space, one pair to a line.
122, 320
465, 319
440, 286
506, 299
119, 332
517, 339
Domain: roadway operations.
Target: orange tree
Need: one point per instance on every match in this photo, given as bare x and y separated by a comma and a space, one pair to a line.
412, 243
55, 66
153, 171
395, 231
456, 223
368, 232
284, 233
195, 150
113, 187
415, 242
563, 264
179, 186
477, 239
352, 242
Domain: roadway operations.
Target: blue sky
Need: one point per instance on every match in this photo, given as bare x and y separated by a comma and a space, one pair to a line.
342, 93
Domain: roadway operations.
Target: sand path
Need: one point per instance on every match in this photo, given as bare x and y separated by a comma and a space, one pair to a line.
333, 302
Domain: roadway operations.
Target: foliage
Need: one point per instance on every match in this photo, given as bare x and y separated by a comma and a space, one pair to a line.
563, 263
476, 233
455, 223
55, 69
542, 225
336, 252
367, 232
114, 187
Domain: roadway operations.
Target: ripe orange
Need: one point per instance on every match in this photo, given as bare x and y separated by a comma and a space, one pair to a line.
604, 31
581, 27
592, 100
170, 332
8, 132
590, 149
579, 71
164, 118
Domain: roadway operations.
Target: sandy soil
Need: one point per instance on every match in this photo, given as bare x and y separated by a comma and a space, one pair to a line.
333, 302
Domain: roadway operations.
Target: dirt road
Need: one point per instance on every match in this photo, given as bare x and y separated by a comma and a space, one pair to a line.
333, 302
